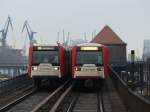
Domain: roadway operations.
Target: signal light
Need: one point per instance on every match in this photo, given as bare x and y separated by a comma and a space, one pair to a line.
132, 55
132, 52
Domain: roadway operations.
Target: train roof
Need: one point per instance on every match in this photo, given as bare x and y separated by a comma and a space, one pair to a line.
89, 44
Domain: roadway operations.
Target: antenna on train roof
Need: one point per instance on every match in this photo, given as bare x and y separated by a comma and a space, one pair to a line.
92, 35
67, 41
85, 37
63, 36
57, 37
94, 32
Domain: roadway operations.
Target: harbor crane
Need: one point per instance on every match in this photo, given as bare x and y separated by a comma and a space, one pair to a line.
4, 31
29, 32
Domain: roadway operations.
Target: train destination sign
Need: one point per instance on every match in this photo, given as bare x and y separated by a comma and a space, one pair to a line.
89, 48
45, 48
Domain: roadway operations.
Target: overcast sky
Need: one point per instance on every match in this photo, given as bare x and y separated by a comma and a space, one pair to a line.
130, 19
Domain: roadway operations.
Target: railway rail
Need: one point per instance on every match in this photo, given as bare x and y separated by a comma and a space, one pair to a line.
30, 100
28, 104
13, 95
80, 101
86, 102
89, 100
15, 102
14, 84
50, 102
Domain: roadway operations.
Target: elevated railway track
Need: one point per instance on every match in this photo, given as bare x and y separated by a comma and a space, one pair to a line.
14, 95
29, 101
50, 102
66, 99
91, 101
87, 102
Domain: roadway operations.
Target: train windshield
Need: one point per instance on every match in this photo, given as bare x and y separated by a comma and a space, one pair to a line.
45, 57
89, 57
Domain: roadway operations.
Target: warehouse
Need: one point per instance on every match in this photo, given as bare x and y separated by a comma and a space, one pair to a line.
116, 46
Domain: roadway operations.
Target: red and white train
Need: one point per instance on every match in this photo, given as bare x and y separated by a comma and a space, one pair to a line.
46, 61
89, 61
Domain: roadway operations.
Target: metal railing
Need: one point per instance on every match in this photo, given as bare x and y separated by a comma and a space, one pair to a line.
134, 101
14, 83
137, 76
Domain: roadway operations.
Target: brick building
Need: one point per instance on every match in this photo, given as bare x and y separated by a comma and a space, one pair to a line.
116, 46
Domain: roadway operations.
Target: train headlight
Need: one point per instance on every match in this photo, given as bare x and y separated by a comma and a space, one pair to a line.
56, 68
100, 68
77, 68
34, 68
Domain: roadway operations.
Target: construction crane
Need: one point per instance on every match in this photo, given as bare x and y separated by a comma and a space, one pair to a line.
4, 31
30, 32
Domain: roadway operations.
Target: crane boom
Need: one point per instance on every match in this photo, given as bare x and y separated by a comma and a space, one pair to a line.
29, 31
4, 31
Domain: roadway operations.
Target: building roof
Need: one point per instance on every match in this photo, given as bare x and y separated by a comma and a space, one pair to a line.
107, 36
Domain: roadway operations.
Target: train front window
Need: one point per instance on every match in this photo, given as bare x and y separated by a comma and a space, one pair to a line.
89, 57
45, 57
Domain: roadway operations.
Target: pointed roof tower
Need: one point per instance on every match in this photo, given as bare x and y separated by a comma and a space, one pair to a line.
107, 37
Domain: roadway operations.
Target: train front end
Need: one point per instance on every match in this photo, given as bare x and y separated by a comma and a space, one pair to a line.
89, 61
46, 62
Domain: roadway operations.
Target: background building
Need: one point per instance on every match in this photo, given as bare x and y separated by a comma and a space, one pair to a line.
116, 47
146, 49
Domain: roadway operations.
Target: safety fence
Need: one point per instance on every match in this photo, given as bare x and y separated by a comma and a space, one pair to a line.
134, 101
14, 83
137, 76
